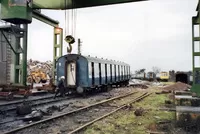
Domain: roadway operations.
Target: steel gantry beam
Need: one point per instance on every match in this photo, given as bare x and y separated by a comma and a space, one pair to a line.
69, 4
41, 17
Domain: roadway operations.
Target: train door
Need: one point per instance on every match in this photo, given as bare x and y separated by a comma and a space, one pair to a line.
92, 64
122, 74
100, 74
71, 73
119, 78
115, 73
110, 72
106, 73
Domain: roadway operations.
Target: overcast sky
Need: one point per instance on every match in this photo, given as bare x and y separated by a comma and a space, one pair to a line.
142, 34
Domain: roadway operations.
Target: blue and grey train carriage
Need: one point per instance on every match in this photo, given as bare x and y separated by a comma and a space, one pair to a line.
84, 73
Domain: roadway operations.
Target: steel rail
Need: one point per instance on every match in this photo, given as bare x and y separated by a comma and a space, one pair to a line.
100, 118
21, 101
37, 104
68, 113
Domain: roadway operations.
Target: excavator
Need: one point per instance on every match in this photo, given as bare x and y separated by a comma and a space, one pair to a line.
37, 76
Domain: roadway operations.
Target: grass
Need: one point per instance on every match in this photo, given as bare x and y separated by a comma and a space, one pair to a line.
125, 121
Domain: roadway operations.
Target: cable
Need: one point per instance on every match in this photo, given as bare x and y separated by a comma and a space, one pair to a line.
68, 20
75, 21
65, 18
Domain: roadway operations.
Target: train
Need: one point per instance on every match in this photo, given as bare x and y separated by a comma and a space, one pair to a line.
150, 76
163, 76
86, 73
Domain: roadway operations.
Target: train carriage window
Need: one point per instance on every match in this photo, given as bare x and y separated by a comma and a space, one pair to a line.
108, 72
96, 70
125, 72
103, 70
90, 69
113, 72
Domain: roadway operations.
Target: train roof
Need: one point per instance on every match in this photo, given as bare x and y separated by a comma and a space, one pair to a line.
99, 60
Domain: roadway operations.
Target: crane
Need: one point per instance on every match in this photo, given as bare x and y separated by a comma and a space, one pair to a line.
19, 14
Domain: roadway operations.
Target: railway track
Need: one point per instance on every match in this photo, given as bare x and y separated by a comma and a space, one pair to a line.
78, 119
7, 107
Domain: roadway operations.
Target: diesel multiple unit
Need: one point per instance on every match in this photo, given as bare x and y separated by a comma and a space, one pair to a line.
84, 73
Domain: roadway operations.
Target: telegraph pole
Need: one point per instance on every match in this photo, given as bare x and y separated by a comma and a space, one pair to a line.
79, 46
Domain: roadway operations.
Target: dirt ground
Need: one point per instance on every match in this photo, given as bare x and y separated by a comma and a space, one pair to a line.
153, 120
71, 104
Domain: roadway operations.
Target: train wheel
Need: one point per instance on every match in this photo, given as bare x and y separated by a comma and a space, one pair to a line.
80, 90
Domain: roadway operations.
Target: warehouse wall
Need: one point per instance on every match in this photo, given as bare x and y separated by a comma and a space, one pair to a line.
6, 54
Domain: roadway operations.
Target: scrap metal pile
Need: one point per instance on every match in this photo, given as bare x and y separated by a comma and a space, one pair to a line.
39, 71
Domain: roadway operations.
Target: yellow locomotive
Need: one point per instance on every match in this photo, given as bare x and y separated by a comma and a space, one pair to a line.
164, 76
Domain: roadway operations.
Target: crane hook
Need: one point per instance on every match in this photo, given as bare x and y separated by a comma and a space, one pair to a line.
69, 49
70, 40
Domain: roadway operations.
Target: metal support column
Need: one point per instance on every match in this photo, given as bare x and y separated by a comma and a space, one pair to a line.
14, 37
57, 49
24, 58
196, 55
79, 46
196, 52
21, 55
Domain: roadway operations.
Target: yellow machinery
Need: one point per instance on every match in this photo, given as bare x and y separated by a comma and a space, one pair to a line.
37, 77
164, 76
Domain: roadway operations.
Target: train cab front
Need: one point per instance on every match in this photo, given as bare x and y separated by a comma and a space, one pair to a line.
70, 67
